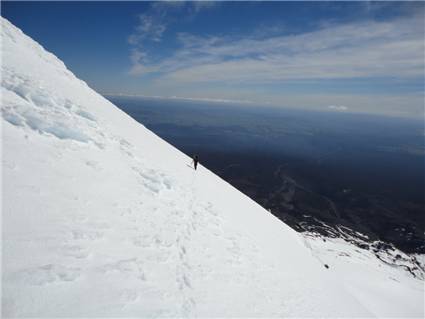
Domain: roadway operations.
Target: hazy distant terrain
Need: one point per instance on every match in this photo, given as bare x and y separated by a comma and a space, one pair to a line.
311, 169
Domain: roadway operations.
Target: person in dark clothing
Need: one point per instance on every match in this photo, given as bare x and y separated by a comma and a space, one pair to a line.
195, 161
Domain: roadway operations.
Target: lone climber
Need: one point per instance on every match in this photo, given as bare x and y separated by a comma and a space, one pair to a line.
195, 161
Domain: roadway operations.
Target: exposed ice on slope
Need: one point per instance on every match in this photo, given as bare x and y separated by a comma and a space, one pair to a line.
103, 218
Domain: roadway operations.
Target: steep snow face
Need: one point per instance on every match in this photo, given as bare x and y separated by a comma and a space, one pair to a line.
103, 218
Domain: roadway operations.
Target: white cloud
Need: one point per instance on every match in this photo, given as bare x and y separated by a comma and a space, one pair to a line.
355, 50
338, 107
152, 25
148, 28
253, 66
136, 57
203, 4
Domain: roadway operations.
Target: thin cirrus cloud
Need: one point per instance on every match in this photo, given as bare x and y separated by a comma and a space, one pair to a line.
152, 25
385, 53
357, 50
353, 50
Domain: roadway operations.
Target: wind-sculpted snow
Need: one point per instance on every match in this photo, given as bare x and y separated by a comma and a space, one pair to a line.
101, 218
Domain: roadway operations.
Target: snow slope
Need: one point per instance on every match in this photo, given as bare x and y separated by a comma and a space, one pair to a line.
380, 284
103, 218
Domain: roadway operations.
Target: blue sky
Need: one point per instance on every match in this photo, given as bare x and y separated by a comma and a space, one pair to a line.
334, 56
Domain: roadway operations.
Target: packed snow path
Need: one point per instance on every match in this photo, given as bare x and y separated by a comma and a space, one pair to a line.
103, 218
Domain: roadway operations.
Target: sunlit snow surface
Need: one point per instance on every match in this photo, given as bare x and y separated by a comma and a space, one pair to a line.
103, 218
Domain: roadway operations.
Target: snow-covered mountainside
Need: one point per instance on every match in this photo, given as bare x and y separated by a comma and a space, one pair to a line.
103, 218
